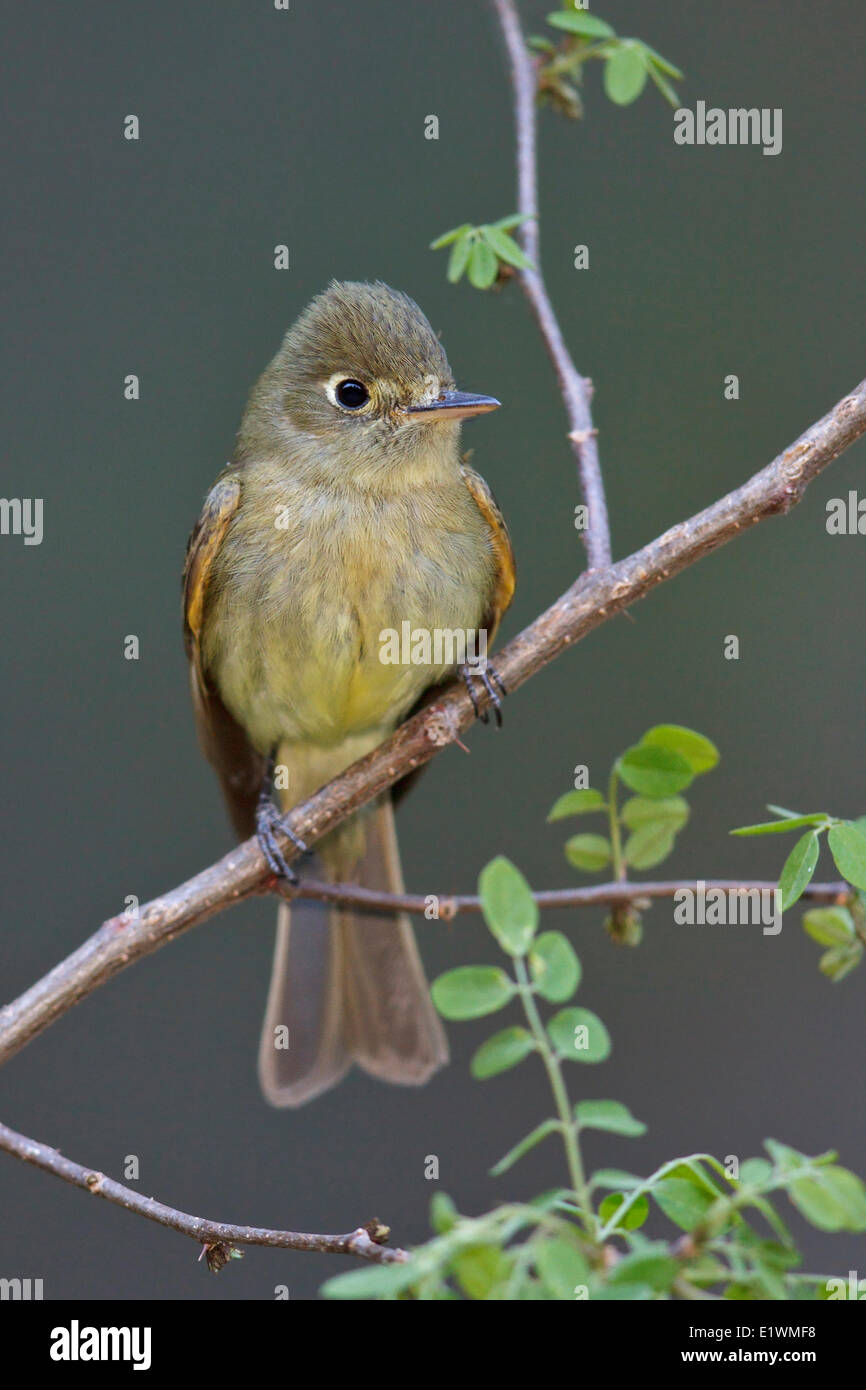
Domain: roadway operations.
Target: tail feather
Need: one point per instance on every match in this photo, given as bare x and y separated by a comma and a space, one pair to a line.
352, 990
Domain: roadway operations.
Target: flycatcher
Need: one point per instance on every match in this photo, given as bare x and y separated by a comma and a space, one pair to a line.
345, 513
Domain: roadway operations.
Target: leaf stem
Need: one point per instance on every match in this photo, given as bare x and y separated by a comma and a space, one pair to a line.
613, 820
560, 1096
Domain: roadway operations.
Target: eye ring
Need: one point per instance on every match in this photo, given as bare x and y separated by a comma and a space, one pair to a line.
351, 394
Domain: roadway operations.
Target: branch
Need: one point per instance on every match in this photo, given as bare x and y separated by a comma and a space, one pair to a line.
595, 598
367, 1242
576, 390
596, 894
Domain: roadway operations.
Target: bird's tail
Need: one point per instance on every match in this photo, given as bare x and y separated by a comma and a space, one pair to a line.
353, 987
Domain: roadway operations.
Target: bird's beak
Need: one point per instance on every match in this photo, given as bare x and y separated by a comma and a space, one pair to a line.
451, 405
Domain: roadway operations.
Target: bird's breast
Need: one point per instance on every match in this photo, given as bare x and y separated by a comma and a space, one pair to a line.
331, 615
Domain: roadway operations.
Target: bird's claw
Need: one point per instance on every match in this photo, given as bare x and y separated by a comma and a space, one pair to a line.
490, 679
269, 823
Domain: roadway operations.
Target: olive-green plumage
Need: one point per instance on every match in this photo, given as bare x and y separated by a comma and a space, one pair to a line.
333, 524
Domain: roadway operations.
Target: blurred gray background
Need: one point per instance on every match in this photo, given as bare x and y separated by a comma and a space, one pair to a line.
260, 127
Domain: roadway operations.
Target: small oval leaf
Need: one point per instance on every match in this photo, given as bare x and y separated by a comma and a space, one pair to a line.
471, 991
483, 266
848, 848
610, 1115
700, 754
588, 852
577, 803
798, 868
579, 1036
830, 926
625, 74
554, 967
654, 772
459, 258
588, 26
509, 908
633, 1218
502, 1051
649, 845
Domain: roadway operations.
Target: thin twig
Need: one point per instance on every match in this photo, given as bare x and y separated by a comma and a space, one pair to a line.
367, 1242
596, 597
448, 905
575, 389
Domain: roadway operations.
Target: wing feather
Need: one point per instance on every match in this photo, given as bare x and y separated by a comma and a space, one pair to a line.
503, 554
239, 767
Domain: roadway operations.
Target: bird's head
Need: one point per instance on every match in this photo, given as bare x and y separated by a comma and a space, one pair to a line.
362, 375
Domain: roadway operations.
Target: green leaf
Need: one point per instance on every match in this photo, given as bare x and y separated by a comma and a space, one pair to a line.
653, 771
658, 1270
554, 967
682, 1201
625, 74
798, 868
377, 1281
848, 848
787, 1159
831, 1197
509, 908
850, 1193
830, 926
447, 237
481, 1269
649, 845
561, 1267
755, 1172
818, 1204
589, 852
502, 1051
540, 1132
514, 219
577, 803
781, 827
610, 1115
615, 1177
771, 1252
444, 1216
588, 26
579, 1036
471, 991
505, 247
672, 811
658, 61
459, 258
622, 1293
668, 92
654, 822
483, 266
839, 961
700, 754
634, 1217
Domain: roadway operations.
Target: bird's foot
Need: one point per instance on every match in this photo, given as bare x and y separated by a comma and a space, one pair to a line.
490, 679
269, 824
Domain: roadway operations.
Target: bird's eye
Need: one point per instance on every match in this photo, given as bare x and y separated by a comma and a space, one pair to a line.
351, 394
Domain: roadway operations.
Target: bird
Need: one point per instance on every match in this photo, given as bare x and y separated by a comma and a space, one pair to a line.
345, 512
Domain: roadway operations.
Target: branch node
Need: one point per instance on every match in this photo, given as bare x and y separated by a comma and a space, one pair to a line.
580, 437
443, 726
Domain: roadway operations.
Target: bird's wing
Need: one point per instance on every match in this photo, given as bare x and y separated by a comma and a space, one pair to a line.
503, 554
239, 767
